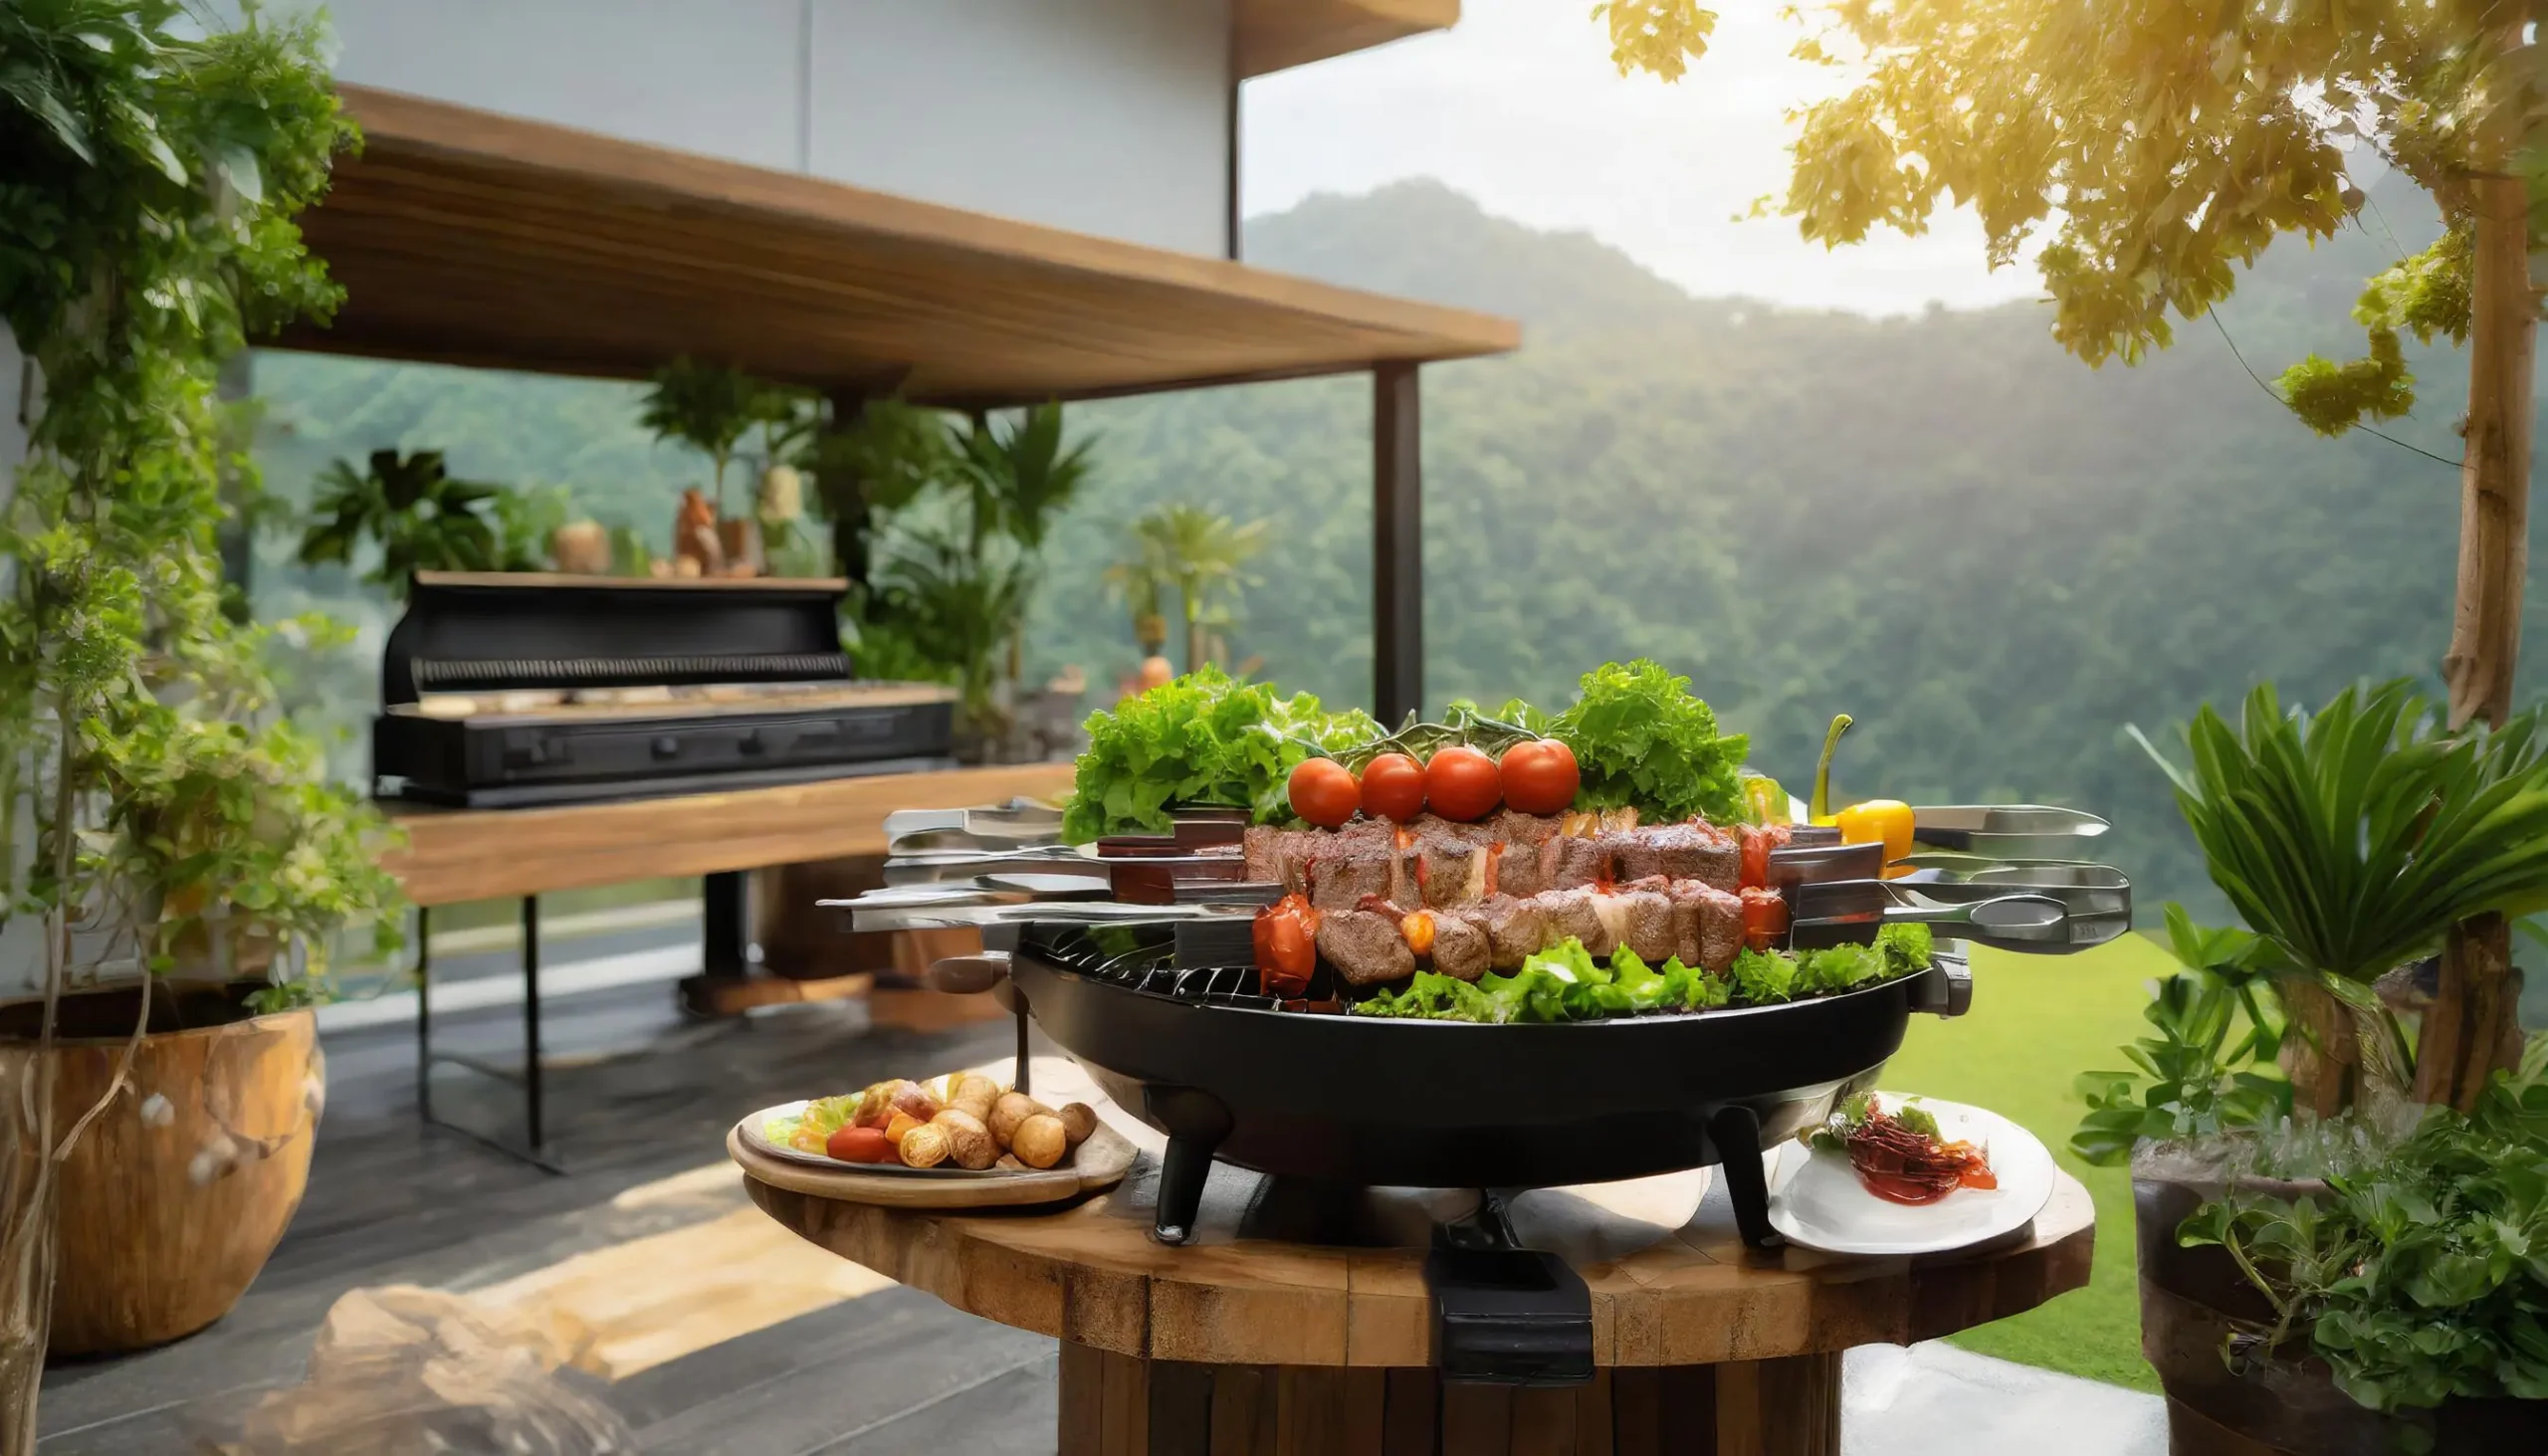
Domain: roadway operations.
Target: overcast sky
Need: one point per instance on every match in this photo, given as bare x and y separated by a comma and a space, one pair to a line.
1520, 108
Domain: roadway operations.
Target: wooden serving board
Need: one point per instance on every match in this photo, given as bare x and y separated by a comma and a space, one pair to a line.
1098, 1163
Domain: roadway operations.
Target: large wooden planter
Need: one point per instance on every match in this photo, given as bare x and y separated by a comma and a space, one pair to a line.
178, 1194
2193, 1300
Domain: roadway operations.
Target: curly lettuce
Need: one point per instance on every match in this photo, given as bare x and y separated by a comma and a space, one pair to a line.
1642, 741
1200, 739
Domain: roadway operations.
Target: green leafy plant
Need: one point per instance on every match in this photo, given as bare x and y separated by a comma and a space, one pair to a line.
1641, 738
1200, 554
2207, 1067
2349, 840
145, 229
2423, 1272
954, 606
710, 409
421, 518
1202, 739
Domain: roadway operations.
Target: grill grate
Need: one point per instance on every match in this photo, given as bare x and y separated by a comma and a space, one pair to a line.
1160, 961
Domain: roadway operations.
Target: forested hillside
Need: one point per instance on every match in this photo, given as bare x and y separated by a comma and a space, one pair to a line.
1991, 555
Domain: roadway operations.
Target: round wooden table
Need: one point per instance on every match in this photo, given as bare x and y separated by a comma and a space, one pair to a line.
1242, 1346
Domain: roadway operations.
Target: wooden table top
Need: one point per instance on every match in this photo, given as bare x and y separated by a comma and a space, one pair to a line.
1671, 1282
456, 855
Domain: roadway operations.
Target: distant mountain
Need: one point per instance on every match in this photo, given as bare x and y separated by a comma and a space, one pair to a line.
1422, 240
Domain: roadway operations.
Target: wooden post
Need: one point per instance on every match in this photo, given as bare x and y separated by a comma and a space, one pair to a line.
1398, 544
2464, 1030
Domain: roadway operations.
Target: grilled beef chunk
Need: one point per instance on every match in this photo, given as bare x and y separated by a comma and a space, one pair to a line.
1681, 852
1564, 913
1461, 948
1366, 946
1516, 828
1515, 928
1517, 871
1454, 870
1282, 856
1258, 847
1707, 924
1648, 927
1338, 881
1429, 826
1570, 860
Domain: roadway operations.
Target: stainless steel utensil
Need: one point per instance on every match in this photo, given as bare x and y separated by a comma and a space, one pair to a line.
2085, 890
2006, 831
1841, 912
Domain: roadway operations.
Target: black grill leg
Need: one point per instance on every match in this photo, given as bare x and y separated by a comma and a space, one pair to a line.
1736, 1132
1196, 1122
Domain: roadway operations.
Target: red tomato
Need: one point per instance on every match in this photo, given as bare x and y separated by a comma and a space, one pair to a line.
1540, 776
1394, 787
860, 1144
1462, 783
1324, 792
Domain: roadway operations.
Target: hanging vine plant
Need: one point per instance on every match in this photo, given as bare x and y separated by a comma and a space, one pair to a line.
155, 807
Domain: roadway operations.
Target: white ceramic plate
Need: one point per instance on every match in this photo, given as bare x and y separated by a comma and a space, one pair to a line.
1817, 1200
754, 1126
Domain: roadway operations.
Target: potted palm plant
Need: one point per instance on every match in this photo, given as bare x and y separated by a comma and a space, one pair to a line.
1204, 556
2329, 1264
177, 865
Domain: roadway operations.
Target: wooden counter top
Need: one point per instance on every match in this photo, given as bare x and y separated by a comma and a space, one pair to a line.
456, 855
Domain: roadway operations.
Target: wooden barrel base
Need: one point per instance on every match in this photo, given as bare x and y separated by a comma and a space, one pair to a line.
1119, 1406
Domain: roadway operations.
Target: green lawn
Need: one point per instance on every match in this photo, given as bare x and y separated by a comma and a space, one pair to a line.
2036, 1022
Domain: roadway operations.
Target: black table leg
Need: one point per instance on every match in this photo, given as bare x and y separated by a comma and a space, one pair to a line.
726, 917
424, 1012
531, 1024
529, 1075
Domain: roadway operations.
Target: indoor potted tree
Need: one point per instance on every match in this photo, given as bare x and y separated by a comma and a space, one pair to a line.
177, 866
2327, 1264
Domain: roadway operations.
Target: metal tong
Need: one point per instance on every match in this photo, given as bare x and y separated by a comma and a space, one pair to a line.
2006, 831
1843, 911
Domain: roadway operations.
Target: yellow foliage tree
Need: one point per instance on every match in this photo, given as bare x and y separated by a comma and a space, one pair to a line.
2152, 144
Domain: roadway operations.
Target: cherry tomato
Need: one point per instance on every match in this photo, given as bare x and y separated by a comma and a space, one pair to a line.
1394, 787
1540, 776
1462, 783
1324, 792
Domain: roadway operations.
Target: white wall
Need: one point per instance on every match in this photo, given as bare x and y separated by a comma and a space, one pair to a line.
1106, 116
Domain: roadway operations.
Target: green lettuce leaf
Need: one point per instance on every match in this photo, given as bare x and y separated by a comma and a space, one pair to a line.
1641, 739
1202, 739
1763, 977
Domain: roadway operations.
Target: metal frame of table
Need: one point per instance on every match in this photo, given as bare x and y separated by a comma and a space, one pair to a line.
452, 856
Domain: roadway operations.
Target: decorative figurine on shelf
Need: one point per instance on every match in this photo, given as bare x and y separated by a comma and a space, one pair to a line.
697, 552
581, 548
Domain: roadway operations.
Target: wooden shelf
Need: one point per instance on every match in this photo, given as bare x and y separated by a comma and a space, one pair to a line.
456, 855
470, 238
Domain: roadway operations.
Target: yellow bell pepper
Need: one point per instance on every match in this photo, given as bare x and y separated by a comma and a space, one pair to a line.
1768, 803
1878, 821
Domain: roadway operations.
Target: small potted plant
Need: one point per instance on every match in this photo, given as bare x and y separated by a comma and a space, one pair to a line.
2328, 1265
